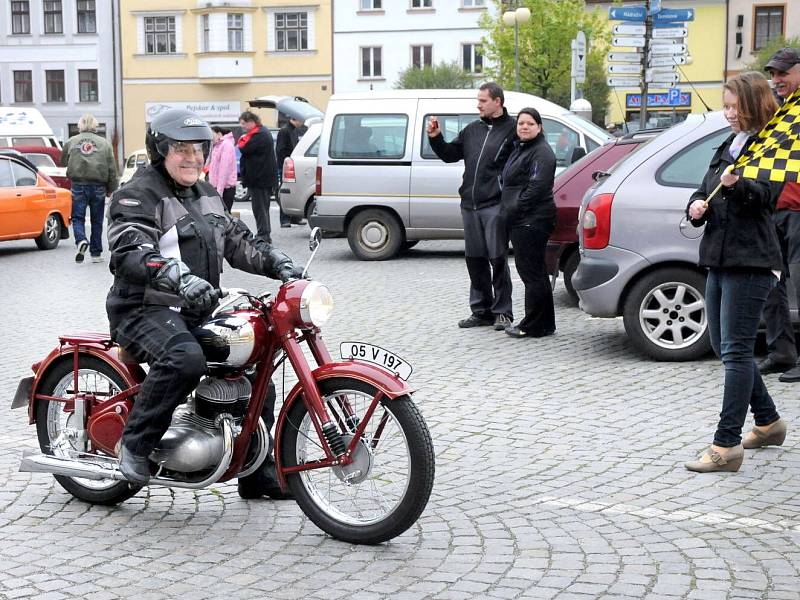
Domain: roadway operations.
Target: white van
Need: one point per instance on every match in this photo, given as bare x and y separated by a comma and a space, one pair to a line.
25, 127
378, 180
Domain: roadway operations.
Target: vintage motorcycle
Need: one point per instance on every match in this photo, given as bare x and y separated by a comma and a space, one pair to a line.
349, 443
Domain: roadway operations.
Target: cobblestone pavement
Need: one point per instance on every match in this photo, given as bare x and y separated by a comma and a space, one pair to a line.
559, 463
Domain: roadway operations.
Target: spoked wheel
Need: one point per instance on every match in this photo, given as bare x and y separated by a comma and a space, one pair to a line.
55, 426
385, 489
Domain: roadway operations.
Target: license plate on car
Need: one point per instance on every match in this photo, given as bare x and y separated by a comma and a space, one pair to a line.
377, 356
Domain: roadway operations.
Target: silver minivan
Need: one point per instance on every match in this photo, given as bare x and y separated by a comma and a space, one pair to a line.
638, 252
378, 180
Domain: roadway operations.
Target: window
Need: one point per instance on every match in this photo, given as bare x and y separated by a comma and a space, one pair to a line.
421, 3
159, 35
23, 86
687, 168
55, 86
313, 149
236, 32
291, 31
562, 140
369, 136
23, 176
206, 33
474, 3
87, 85
421, 56
450, 125
40, 160
768, 25
6, 179
471, 58
87, 20
53, 19
371, 62
371, 4
20, 16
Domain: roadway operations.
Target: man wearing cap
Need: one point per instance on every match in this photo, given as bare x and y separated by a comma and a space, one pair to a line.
784, 68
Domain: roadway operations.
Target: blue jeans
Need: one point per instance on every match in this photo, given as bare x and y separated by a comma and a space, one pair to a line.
734, 302
94, 196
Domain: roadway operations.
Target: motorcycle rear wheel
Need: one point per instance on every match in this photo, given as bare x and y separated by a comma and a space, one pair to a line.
388, 485
52, 423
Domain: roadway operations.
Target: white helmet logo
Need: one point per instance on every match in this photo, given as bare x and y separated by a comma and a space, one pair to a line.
192, 121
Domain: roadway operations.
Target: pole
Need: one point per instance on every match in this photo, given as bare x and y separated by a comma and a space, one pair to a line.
647, 36
516, 54
573, 85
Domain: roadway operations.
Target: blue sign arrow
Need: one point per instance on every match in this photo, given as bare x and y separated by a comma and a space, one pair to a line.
627, 13
674, 14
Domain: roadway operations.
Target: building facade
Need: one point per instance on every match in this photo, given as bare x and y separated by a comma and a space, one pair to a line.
212, 56
61, 57
752, 24
374, 40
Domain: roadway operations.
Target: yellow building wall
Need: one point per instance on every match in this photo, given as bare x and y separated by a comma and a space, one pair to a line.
175, 78
706, 42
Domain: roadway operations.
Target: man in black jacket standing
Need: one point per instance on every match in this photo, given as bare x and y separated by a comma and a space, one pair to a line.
258, 168
484, 146
288, 136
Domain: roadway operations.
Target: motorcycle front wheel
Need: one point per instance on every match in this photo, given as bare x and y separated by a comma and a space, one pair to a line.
386, 488
54, 425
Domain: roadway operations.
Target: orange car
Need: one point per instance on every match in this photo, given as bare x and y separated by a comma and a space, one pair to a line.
31, 205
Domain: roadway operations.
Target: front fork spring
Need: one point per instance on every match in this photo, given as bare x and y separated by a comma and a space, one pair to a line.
334, 439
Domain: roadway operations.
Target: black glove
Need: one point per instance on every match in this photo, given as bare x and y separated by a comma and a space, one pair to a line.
290, 271
174, 276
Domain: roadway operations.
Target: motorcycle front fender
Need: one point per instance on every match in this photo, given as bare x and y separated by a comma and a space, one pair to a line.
131, 374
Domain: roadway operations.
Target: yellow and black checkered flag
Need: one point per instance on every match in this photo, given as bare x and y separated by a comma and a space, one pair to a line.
775, 153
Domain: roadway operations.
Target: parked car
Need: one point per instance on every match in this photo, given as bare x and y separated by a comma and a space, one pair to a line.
48, 160
638, 252
31, 205
299, 174
25, 127
569, 188
135, 160
379, 181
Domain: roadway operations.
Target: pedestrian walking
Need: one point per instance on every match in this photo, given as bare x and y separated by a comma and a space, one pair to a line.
288, 136
530, 211
92, 170
222, 172
484, 146
258, 169
784, 69
741, 252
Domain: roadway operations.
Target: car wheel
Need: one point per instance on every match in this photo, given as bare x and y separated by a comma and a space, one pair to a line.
375, 234
570, 266
311, 205
409, 245
51, 234
665, 315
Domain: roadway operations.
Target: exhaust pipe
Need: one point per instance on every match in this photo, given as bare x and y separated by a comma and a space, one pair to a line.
32, 462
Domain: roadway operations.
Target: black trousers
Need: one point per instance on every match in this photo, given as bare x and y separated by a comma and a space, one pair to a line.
781, 343
228, 196
529, 249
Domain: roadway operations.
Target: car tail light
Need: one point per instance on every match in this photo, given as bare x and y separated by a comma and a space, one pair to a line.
597, 222
318, 190
288, 170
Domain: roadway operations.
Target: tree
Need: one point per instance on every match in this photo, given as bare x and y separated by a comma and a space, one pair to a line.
763, 56
545, 52
441, 76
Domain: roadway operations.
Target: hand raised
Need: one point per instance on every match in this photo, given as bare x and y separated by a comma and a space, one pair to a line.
433, 127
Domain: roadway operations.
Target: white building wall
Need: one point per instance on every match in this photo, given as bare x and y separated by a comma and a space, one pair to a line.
395, 28
68, 51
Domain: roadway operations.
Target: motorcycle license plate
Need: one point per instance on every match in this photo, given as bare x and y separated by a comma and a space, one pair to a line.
377, 356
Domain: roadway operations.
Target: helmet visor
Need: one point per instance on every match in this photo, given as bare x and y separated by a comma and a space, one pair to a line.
187, 149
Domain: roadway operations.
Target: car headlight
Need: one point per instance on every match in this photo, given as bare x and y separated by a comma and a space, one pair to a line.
316, 304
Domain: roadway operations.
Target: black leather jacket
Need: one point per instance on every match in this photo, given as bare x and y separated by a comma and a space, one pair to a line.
484, 146
527, 180
739, 229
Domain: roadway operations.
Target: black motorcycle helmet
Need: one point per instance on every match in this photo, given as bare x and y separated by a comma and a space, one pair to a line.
175, 125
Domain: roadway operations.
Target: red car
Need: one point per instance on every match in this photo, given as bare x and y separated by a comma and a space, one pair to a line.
47, 160
569, 188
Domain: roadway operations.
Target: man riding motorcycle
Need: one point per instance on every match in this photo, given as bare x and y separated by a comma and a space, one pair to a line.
168, 233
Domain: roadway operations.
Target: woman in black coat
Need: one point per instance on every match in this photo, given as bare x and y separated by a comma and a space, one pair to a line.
527, 200
741, 252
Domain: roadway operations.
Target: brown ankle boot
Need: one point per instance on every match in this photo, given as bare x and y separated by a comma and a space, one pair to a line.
718, 459
773, 435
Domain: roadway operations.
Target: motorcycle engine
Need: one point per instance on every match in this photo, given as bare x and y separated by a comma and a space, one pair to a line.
194, 440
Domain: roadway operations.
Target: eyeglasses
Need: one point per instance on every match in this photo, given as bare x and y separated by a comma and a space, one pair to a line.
189, 149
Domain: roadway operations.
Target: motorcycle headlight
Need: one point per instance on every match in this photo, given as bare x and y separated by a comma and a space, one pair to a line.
316, 304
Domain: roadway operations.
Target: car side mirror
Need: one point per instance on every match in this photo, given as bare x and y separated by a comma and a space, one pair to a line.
578, 152
598, 175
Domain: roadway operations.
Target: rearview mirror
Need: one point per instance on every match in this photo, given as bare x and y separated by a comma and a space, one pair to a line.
314, 238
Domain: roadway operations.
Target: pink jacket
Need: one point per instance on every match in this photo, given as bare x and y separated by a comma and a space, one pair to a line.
222, 164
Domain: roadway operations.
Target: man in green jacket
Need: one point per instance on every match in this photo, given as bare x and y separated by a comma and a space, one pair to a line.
92, 170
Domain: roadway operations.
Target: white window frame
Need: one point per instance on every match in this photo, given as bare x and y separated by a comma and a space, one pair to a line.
473, 3
422, 51
372, 74
422, 4
140, 37
311, 28
367, 5
240, 30
474, 46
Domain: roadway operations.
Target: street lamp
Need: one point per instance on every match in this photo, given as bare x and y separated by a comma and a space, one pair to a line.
516, 17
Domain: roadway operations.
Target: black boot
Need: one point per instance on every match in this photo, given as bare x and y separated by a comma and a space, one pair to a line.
135, 468
263, 482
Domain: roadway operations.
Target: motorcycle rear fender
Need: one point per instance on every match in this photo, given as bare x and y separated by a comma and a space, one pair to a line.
130, 373
391, 386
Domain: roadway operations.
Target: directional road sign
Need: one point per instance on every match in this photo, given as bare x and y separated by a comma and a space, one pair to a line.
635, 42
627, 13
625, 57
663, 61
624, 82
668, 49
667, 40
625, 68
663, 78
655, 6
629, 30
580, 57
668, 32
658, 72
674, 14
674, 96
